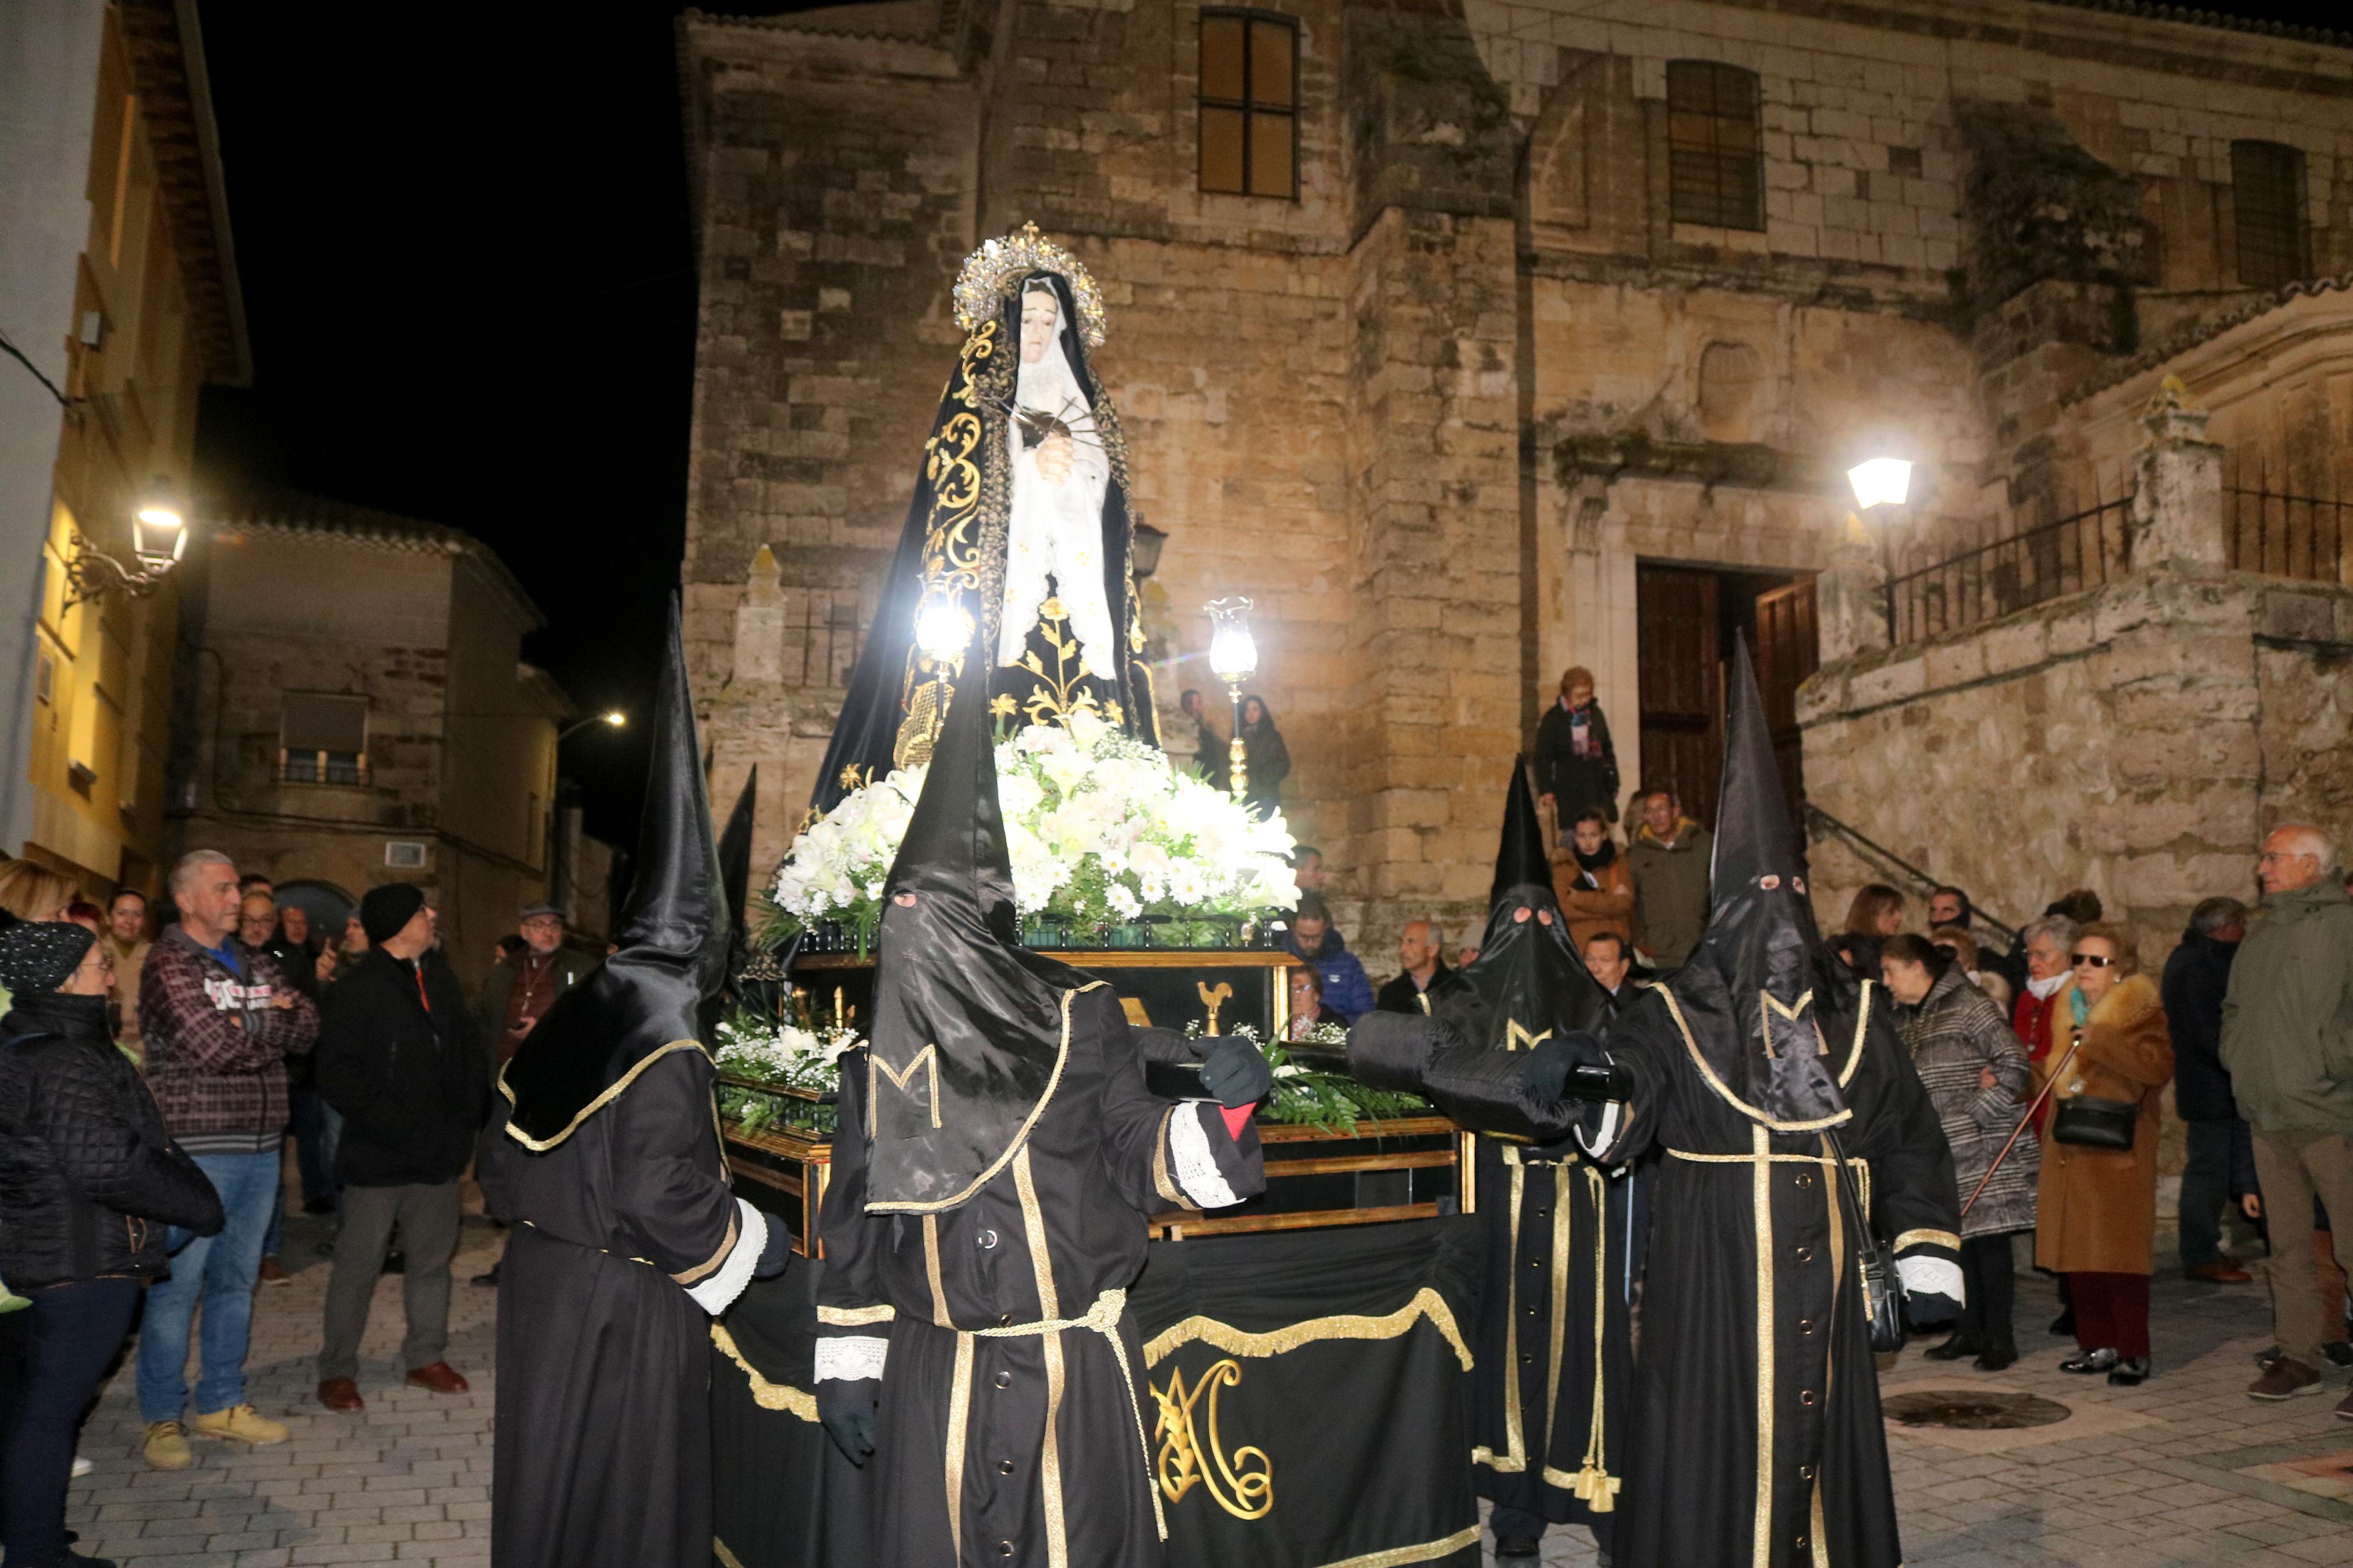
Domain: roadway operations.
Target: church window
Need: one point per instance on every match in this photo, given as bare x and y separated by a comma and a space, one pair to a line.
1715, 151
1250, 104
2267, 192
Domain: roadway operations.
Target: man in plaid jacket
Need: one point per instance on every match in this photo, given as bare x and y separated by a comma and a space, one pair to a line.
218, 1022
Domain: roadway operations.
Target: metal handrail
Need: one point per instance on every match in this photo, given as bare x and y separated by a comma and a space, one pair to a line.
1816, 813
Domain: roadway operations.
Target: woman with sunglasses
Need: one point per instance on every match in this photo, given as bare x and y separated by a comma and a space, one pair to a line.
2096, 1206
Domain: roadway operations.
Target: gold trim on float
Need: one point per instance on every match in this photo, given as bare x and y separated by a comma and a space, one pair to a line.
1725, 1094
765, 1394
541, 1146
1428, 1551
1426, 1303
1062, 1059
856, 1317
1927, 1238
1761, 1199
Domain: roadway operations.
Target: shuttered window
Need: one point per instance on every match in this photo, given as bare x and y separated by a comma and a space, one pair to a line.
323, 739
1715, 149
2267, 192
1250, 104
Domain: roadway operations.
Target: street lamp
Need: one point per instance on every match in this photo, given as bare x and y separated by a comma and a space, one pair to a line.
612, 717
1877, 482
159, 535
1234, 659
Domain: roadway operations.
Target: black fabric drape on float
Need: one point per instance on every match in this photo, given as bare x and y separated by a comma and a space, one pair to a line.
1306, 1392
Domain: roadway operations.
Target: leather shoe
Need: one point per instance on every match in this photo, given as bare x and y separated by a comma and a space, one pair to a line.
341, 1395
2222, 1271
440, 1376
1516, 1548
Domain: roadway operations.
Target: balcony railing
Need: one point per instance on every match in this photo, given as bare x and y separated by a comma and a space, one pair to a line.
2065, 555
2284, 535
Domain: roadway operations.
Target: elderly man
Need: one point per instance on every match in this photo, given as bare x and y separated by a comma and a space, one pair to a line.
2288, 1049
219, 1022
523, 986
1424, 981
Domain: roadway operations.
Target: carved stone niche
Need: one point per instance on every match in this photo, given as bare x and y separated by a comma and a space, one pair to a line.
1731, 392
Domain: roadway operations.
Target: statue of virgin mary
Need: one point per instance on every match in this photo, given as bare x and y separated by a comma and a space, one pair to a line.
1020, 522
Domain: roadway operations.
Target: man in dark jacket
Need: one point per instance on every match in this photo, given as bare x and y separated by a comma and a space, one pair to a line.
525, 982
1425, 980
401, 1057
2197, 977
1348, 991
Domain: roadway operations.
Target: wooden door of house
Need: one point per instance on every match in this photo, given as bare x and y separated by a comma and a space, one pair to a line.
1787, 651
1679, 679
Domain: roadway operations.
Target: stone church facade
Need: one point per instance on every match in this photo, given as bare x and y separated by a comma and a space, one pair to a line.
1476, 339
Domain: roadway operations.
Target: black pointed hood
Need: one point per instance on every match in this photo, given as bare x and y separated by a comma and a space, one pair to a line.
1528, 980
1768, 1004
970, 1028
650, 994
1521, 860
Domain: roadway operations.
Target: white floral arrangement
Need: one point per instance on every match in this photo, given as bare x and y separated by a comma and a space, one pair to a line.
1100, 830
781, 1055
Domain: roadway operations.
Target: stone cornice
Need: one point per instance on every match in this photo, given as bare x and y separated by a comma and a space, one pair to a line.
294, 515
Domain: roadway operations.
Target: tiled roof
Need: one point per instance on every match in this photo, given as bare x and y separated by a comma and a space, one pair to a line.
299, 513
2206, 331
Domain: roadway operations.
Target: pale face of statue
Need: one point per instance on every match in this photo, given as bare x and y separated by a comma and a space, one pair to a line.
1038, 309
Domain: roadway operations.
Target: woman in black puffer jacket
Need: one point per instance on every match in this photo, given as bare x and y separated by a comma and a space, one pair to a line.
89, 1182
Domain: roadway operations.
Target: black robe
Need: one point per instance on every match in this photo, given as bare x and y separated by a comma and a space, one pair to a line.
1755, 1437
602, 1456
1038, 1437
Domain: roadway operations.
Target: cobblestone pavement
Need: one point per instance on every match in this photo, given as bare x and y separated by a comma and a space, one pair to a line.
409, 1481
2184, 1470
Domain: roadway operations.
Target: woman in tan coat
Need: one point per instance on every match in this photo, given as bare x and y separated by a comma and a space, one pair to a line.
2097, 1209
1590, 879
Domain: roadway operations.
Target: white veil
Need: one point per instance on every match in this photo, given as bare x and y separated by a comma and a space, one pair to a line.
1057, 528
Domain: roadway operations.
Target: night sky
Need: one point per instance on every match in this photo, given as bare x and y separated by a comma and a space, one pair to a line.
463, 238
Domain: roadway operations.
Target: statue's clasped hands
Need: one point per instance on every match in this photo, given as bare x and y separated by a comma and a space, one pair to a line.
1054, 459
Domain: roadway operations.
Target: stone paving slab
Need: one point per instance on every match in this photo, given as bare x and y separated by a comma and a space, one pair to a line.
2182, 1472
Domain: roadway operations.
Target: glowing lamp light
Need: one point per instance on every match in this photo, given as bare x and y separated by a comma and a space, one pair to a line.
616, 718
1881, 481
159, 528
943, 628
1233, 652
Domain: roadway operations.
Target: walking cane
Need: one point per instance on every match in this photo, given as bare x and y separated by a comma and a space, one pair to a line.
2051, 1083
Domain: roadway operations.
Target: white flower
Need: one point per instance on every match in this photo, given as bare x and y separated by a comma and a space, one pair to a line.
1123, 903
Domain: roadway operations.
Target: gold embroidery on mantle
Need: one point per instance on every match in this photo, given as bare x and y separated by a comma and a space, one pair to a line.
1240, 1490
765, 1394
1426, 1303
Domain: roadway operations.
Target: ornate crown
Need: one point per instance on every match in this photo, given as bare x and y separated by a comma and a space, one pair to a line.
991, 270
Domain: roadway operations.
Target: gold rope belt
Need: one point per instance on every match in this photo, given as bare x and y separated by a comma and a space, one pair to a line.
1861, 1167
1103, 1319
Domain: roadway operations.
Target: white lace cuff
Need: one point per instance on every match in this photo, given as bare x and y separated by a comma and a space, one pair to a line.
851, 1358
717, 1293
1198, 1176
1933, 1276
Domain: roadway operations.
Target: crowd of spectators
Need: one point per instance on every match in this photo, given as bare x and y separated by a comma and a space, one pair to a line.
149, 1081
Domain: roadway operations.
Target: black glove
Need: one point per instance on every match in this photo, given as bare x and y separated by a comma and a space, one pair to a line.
1927, 1311
777, 1253
1551, 1065
1236, 1073
846, 1408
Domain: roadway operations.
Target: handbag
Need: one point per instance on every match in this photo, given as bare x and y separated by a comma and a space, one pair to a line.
2088, 1123
1879, 1290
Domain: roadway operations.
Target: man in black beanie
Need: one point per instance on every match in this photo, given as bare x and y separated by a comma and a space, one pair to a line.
401, 1057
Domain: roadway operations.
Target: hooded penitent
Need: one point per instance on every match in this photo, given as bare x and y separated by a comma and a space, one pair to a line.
970, 1028
650, 994
1769, 1007
961, 534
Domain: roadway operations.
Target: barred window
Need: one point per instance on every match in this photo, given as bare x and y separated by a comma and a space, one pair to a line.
1250, 104
2267, 192
1716, 149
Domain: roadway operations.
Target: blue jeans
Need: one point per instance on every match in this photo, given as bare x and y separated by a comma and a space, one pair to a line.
219, 1271
2213, 1148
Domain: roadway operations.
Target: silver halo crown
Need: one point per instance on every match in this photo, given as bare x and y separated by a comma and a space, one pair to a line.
992, 271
